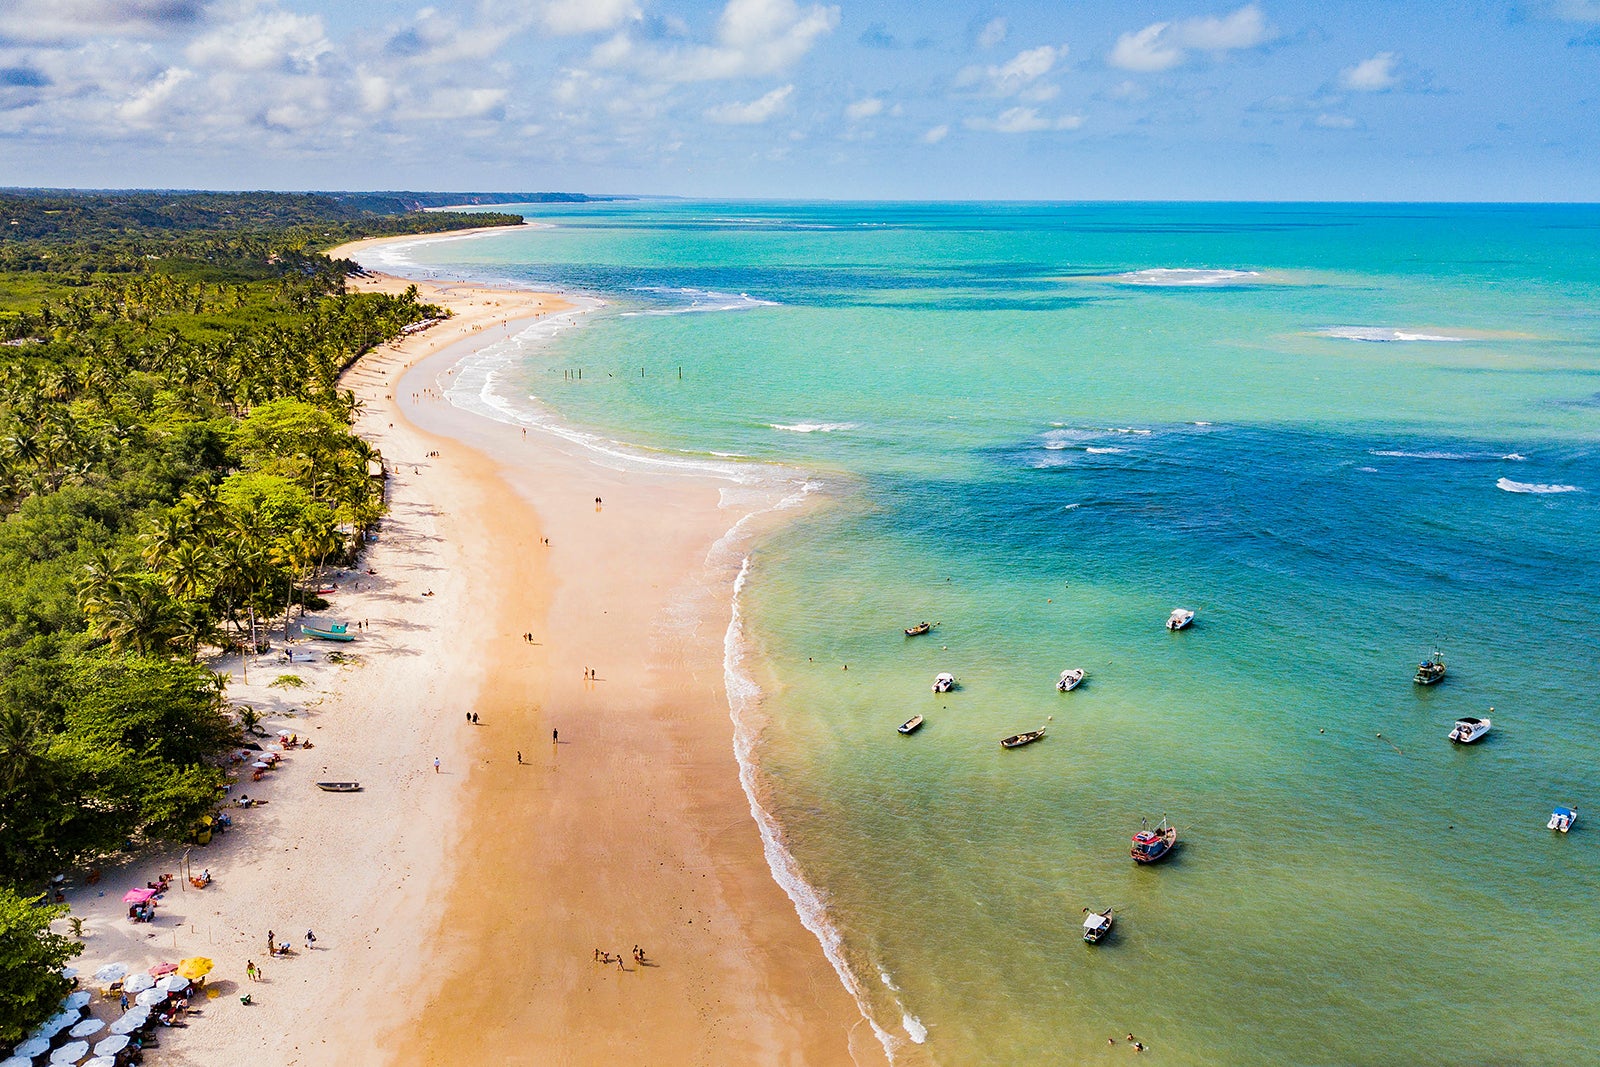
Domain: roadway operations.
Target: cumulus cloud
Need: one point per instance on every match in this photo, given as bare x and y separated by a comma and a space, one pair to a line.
936, 134
753, 38
61, 21
1334, 122
148, 103
1021, 73
1024, 120
587, 16
863, 109
1371, 75
264, 40
993, 33
755, 112
1164, 45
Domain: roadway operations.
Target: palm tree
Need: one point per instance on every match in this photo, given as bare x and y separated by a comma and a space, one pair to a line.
20, 747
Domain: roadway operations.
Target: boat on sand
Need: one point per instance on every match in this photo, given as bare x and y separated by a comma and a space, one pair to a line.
339, 787
334, 631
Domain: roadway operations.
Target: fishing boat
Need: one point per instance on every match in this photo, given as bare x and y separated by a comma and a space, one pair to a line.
944, 683
1562, 818
1070, 680
919, 629
1098, 925
1179, 618
1469, 729
1152, 845
339, 787
334, 631
1430, 671
911, 725
1027, 737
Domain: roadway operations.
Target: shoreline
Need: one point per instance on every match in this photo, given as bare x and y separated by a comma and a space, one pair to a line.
646, 758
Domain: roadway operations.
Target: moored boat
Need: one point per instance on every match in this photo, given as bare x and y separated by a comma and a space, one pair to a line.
1027, 737
1070, 680
911, 725
1431, 670
1562, 818
944, 683
340, 787
1468, 729
1152, 845
1098, 924
919, 629
1180, 618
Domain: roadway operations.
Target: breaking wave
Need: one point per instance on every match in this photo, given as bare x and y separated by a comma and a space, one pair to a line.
1534, 487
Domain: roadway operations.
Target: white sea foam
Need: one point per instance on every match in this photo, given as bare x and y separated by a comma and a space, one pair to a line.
1105, 451
1534, 487
914, 1028
1185, 276
744, 701
1198, 423
1396, 453
701, 300
814, 427
1382, 334
1513, 456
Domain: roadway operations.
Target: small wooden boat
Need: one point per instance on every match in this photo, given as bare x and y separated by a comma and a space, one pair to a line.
1469, 729
335, 631
1027, 737
1070, 680
339, 787
919, 629
1430, 671
1098, 924
944, 683
911, 725
1562, 818
1179, 618
1152, 845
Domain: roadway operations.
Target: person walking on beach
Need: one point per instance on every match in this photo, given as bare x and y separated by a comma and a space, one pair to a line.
270, 942
124, 1000
519, 758
250, 969
555, 737
311, 940
436, 765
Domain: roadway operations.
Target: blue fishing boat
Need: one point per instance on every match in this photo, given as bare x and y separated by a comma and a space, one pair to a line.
334, 631
1152, 845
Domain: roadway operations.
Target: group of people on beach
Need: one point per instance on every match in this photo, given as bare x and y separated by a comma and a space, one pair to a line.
601, 956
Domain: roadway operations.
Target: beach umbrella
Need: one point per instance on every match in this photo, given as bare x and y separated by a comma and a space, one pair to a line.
70, 1053
126, 1025
16, 1061
74, 1001
195, 967
57, 1023
137, 983
112, 971
163, 968
132, 896
32, 1047
101, 1061
261, 765
151, 997
69, 973
89, 1026
111, 1045
173, 983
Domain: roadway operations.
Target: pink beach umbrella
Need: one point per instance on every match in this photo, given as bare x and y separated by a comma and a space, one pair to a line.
138, 896
163, 968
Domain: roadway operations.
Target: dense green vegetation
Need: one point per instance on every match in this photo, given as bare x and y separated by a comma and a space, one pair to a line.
175, 462
31, 957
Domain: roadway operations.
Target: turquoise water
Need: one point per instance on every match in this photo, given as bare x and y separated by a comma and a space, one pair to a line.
1342, 434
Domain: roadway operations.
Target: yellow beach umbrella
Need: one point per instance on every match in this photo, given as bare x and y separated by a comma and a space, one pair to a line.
195, 967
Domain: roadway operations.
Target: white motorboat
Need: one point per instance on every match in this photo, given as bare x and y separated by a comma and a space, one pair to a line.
1070, 680
1562, 818
1469, 729
1098, 925
1179, 618
944, 683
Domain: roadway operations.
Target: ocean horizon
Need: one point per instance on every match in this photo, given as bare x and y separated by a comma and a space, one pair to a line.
1345, 435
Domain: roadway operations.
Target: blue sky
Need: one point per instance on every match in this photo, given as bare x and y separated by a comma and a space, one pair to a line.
785, 98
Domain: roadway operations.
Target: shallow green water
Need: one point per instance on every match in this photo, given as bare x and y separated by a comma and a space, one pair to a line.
1019, 440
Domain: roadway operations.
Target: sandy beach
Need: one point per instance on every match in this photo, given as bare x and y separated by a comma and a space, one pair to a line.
458, 909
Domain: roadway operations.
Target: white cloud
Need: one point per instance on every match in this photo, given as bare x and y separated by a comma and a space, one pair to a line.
754, 38
149, 103
1024, 120
1335, 122
1371, 75
61, 21
993, 33
1164, 45
753, 113
587, 16
863, 109
936, 134
266, 39
1016, 75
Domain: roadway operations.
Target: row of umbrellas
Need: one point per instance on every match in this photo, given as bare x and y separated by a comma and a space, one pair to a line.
152, 988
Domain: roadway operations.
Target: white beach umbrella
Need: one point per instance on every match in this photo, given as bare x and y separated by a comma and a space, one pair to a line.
101, 1061
150, 997
59, 1022
69, 973
112, 1045
173, 983
87, 1027
70, 1053
138, 983
74, 1001
133, 1020
32, 1047
16, 1061
111, 972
